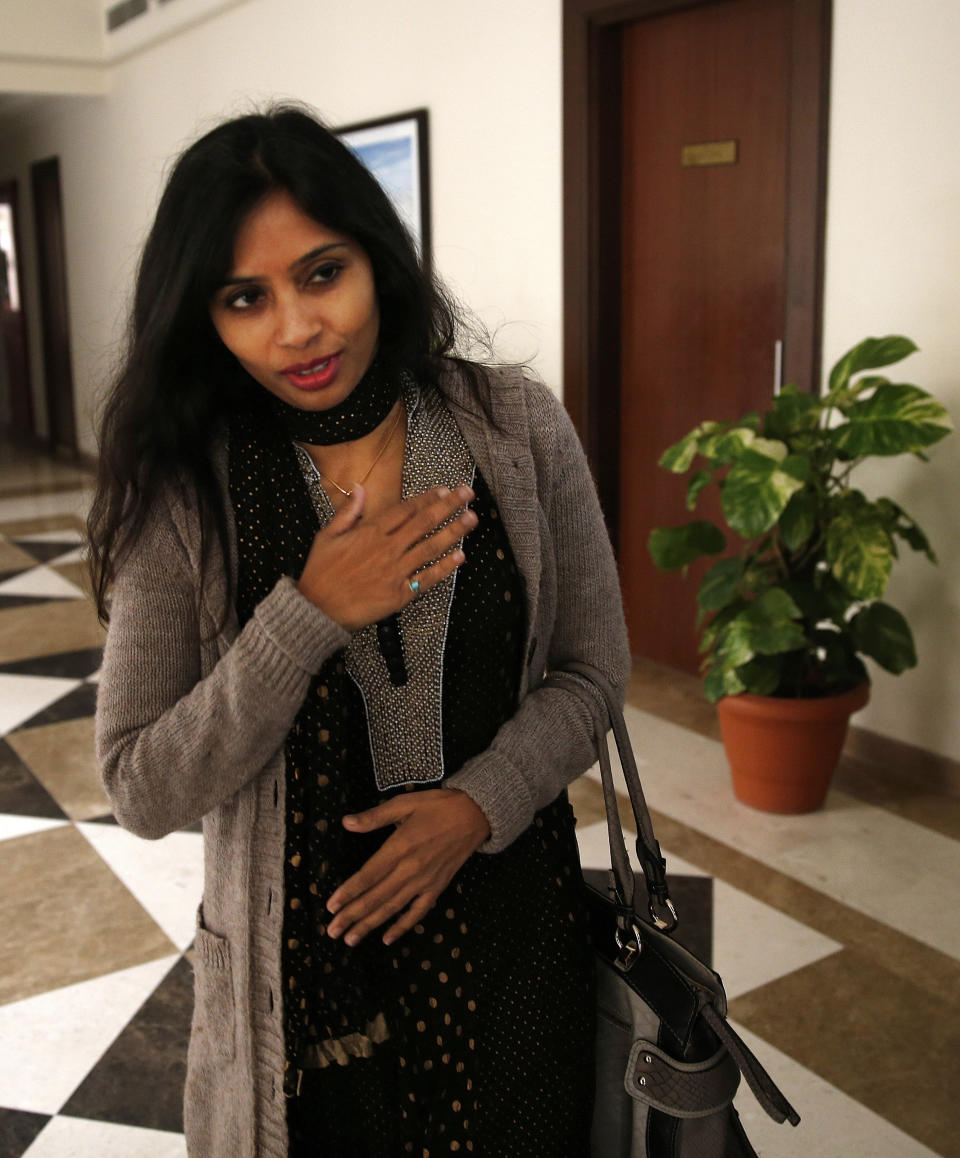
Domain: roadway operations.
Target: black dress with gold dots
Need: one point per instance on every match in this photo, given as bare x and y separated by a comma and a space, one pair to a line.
473, 1033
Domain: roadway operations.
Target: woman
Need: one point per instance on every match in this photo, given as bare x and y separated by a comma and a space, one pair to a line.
341, 562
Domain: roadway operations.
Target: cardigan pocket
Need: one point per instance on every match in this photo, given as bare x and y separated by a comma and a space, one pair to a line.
214, 1021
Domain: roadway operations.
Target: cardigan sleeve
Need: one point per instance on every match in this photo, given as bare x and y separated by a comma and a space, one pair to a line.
549, 741
172, 744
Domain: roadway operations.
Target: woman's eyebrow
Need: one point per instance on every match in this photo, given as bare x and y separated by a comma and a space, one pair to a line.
307, 257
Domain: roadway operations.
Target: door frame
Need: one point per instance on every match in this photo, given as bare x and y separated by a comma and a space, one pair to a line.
591, 214
51, 258
22, 421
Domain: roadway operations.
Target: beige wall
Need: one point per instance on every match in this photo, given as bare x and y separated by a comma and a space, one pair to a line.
490, 74
893, 255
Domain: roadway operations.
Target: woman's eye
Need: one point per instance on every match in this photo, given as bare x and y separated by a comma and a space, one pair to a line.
326, 273
242, 299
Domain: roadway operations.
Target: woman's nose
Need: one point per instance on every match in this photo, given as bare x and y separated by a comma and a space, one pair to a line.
296, 324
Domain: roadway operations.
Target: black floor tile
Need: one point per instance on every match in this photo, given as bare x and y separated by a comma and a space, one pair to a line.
43, 552
71, 665
18, 1128
9, 602
21, 793
80, 702
139, 1080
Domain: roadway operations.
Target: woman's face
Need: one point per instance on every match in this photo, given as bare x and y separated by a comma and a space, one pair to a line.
299, 308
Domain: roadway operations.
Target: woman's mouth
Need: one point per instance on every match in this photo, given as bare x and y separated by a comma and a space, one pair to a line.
315, 375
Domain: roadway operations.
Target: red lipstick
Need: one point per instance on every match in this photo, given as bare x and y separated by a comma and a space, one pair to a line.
314, 375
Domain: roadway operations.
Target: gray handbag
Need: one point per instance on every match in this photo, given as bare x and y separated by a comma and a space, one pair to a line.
667, 1062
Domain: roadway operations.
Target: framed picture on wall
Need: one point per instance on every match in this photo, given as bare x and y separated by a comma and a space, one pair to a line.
395, 149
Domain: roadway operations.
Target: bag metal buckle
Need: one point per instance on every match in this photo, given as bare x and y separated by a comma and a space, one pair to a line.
630, 948
666, 923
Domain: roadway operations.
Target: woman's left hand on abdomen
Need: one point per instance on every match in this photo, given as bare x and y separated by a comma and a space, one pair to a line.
437, 830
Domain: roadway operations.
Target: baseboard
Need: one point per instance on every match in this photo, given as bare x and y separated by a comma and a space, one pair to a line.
905, 763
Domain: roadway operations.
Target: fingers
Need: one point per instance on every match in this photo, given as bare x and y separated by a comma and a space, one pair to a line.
429, 550
390, 812
387, 900
417, 911
421, 515
428, 577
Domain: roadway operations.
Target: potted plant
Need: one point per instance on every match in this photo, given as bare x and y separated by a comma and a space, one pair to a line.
786, 617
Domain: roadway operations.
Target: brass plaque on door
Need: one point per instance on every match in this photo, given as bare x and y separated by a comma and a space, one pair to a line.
709, 153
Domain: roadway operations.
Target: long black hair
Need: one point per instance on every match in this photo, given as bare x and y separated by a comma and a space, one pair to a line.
178, 382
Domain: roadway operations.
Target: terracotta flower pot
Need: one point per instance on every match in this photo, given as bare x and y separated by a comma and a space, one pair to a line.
783, 752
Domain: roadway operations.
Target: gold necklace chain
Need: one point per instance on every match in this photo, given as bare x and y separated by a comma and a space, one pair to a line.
380, 454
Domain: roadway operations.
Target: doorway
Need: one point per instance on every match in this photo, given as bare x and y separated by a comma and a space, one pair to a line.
54, 309
695, 143
16, 400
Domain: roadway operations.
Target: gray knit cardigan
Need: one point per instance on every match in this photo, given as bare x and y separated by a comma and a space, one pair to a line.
191, 723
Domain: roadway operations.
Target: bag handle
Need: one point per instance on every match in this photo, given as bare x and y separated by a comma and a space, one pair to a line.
660, 907
654, 866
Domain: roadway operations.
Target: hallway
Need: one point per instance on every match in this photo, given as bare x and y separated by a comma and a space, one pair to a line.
837, 934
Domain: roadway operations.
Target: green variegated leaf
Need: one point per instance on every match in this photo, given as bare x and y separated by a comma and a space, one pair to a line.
792, 411
698, 480
761, 676
881, 632
729, 446
720, 682
854, 390
679, 457
733, 647
771, 447
799, 519
720, 584
757, 490
860, 555
775, 603
765, 627
870, 354
675, 547
712, 630
896, 419
899, 523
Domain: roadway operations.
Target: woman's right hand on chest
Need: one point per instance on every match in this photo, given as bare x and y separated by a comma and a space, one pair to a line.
359, 569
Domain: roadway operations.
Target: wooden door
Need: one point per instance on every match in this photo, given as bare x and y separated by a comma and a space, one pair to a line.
16, 401
705, 119
54, 312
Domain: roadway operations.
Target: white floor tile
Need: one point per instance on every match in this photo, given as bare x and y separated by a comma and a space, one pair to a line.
12, 825
831, 1123
81, 1138
42, 506
166, 876
41, 581
23, 696
65, 536
868, 858
754, 943
76, 555
53, 1040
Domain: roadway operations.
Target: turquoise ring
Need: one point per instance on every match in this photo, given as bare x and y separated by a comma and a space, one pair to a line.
414, 585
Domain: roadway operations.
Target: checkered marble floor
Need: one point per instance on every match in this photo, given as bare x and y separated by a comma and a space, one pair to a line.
836, 934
